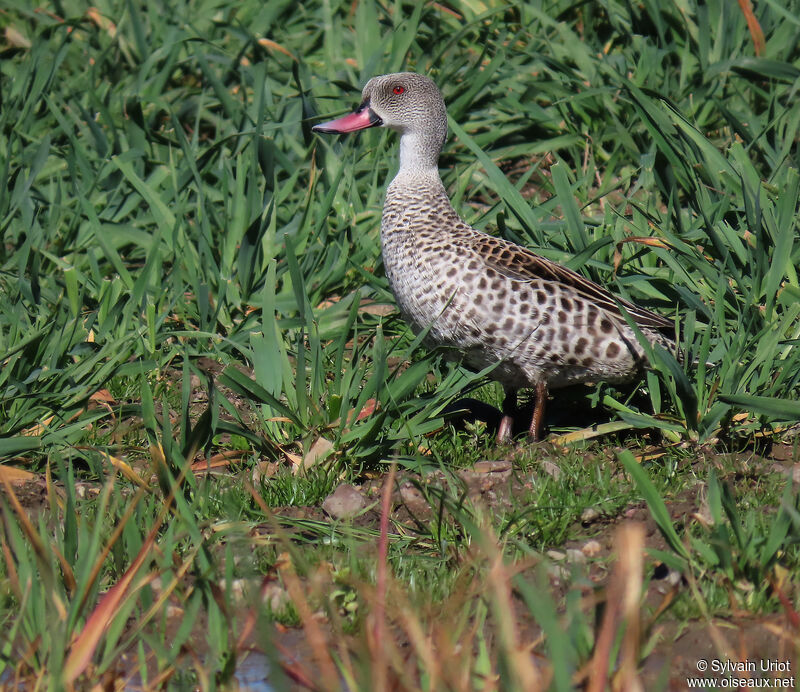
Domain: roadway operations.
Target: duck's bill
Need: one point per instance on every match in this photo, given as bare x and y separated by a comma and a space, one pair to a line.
363, 118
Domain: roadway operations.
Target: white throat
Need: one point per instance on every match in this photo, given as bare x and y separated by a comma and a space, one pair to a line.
418, 154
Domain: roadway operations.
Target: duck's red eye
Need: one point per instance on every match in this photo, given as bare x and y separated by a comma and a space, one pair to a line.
398, 90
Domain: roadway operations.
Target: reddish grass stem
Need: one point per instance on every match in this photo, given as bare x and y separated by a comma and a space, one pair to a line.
380, 595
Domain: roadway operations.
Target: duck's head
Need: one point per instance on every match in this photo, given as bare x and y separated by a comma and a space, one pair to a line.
404, 101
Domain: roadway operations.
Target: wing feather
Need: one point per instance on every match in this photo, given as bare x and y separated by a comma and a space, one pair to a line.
521, 264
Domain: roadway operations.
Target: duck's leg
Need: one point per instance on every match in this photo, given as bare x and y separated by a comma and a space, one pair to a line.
535, 432
509, 411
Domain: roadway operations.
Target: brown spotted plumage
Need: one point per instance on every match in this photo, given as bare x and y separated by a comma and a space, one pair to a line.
540, 324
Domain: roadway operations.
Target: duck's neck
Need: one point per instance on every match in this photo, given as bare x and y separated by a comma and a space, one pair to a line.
416, 199
418, 153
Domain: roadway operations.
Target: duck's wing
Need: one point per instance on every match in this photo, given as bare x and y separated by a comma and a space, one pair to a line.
521, 264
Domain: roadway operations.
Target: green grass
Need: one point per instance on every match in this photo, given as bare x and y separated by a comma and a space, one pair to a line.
186, 270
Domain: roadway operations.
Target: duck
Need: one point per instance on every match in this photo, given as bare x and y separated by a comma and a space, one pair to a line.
534, 323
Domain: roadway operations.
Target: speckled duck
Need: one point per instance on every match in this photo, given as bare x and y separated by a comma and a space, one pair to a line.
544, 326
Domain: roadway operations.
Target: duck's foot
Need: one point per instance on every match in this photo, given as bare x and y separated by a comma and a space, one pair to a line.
504, 430
506, 427
510, 411
537, 419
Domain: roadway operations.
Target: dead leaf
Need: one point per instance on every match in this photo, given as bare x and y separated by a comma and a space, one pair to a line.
318, 451
102, 395
588, 433
756, 33
127, 470
328, 302
369, 408
83, 646
12, 474
372, 308
16, 38
102, 22
38, 429
447, 10
271, 45
218, 461
263, 470
491, 466
642, 240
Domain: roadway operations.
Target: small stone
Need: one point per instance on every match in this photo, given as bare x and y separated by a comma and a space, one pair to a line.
276, 597
556, 555
557, 574
588, 515
174, 612
591, 548
484, 475
492, 467
551, 469
80, 490
576, 556
344, 502
238, 589
415, 501
703, 514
